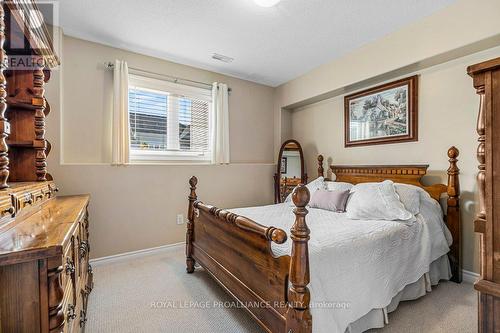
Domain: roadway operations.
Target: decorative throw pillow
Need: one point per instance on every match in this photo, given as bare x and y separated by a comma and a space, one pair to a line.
334, 201
409, 195
338, 186
377, 201
313, 186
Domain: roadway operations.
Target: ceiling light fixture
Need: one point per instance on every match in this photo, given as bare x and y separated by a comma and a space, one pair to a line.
266, 3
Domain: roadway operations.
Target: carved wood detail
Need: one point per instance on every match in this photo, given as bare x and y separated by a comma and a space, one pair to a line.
298, 315
39, 102
4, 124
190, 227
453, 219
272, 234
406, 174
480, 221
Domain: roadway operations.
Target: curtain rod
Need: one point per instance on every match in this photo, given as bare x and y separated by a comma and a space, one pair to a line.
110, 65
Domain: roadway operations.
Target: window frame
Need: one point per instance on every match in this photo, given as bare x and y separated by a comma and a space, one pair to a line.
138, 156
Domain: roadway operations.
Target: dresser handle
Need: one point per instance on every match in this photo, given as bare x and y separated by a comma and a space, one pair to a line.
88, 289
9, 210
83, 318
70, 267
71, 312
83, 249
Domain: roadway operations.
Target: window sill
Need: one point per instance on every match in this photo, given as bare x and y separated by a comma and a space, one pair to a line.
156, 162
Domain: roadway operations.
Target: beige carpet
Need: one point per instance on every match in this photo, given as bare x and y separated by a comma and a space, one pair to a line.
154, 294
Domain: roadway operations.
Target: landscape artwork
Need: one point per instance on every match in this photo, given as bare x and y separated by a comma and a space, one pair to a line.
384, 114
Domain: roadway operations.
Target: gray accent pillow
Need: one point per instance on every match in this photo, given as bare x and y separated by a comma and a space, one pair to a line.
313, 186
334, 201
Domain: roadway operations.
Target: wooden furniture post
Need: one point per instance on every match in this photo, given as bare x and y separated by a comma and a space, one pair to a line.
321, 171
298, 316
4, 124
453, 215
486, 81
190, 226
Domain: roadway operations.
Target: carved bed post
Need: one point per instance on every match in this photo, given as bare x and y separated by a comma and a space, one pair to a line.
4, 124
453, 216
321, 171
190, 226
298, 316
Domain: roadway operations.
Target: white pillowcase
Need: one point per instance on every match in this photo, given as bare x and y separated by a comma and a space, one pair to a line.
377, 201
409, 195
338, 186
313, 186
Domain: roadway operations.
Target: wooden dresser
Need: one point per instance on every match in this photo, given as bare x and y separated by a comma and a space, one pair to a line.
45, 276
486, 80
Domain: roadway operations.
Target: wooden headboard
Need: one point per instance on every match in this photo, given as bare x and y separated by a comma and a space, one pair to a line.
406, 174
412, 174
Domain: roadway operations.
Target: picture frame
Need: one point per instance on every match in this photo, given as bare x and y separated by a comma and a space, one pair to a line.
283, 164
384, 114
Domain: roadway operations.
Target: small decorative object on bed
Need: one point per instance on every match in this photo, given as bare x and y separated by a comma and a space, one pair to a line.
276, 277
290, 172
383, 114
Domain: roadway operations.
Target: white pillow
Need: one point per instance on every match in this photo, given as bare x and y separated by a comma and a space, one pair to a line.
318, 183
338, 186
409, 195
377, 201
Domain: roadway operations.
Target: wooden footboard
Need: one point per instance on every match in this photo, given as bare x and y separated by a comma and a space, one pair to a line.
236, 251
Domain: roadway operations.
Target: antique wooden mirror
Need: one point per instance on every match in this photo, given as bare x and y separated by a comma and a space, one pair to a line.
290, 171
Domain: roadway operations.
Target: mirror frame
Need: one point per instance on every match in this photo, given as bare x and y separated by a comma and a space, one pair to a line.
277, 175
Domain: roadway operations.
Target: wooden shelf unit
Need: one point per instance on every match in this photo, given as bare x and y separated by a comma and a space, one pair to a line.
45, 275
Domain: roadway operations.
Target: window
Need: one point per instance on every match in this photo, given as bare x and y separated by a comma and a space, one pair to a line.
169, 121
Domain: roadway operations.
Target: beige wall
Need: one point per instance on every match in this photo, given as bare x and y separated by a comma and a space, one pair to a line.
447, 116
135, 207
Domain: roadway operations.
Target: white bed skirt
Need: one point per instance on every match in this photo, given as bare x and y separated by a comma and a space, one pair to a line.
377, 318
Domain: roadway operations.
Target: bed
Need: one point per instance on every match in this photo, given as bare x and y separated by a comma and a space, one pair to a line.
360, 270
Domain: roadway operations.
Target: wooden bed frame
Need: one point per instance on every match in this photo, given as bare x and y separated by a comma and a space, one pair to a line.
236, 251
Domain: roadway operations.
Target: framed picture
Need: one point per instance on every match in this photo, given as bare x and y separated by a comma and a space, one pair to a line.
384, 114
283, 164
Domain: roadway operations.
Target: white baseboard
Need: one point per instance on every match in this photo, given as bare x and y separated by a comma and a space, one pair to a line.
135, 254
469, 277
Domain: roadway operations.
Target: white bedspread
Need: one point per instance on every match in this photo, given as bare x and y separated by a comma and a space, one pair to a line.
359, 265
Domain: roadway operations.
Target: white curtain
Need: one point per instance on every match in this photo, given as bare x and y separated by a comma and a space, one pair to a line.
120, 131
220, 132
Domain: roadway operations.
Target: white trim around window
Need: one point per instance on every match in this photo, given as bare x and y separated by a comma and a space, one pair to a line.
197, 154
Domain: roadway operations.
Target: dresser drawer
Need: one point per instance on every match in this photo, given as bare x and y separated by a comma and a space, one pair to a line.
6, 205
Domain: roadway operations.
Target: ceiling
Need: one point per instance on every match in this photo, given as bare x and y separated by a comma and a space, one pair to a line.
269, 45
